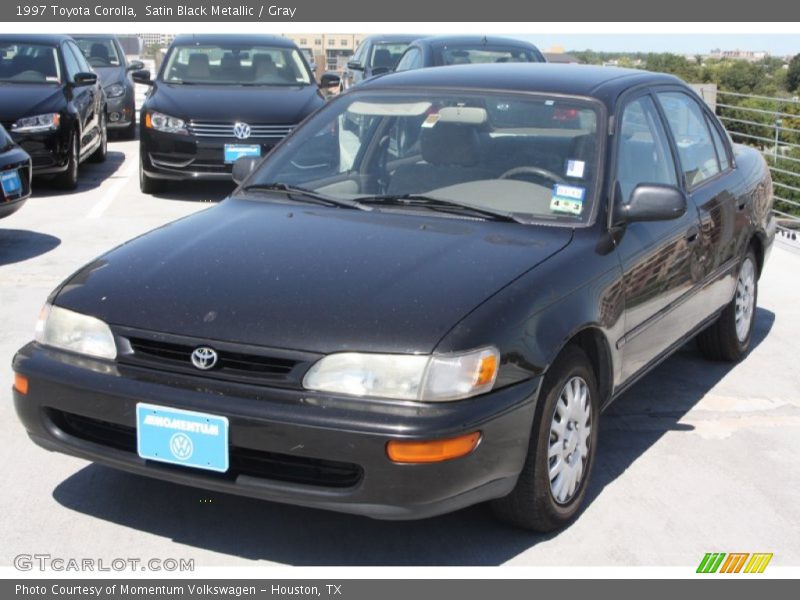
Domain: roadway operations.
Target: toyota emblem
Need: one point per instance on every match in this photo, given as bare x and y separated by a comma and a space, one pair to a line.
204, 358
241, 130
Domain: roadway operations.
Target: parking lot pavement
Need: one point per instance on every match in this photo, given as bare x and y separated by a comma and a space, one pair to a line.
697, 457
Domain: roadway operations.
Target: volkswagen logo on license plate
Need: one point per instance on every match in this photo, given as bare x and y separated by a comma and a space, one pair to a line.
241, 130
204, 358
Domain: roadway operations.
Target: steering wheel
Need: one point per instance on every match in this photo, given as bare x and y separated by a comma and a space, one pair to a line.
535, 171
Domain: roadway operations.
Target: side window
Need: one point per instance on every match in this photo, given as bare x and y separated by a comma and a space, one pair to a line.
83, 64
412, 59
360, 54
643, 155
719, 144
70, 61
690, 130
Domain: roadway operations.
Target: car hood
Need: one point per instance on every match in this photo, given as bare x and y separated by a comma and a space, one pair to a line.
253, 104
21, 100
109, 75
308, 278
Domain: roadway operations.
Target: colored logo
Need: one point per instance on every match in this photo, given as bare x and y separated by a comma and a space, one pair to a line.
735, 562
181, 446
204, 358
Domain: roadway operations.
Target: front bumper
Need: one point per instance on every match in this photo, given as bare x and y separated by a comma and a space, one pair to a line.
49, 150
15, 159
121, 111
286, 445
180, 157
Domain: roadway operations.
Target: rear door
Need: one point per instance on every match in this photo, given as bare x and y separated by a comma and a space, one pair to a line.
707, 169
658, 258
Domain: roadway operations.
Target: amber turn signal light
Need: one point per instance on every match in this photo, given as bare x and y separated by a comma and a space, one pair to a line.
148, 121
20, 383
428, 451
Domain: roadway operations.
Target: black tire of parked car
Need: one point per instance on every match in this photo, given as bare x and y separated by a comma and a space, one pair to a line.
99, 155
68, 180
148, 185
531, 504
719, 341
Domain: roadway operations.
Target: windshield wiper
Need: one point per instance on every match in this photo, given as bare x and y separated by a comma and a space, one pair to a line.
441, 204
296, 192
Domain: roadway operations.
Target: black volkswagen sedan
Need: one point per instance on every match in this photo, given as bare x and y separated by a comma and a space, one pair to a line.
217, 98
435, 317
446, 50
52, 104
106, 56
15, 175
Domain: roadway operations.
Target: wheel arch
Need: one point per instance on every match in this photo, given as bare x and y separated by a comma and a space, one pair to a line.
594, 344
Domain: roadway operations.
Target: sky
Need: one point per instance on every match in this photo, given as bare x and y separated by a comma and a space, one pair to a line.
775, 44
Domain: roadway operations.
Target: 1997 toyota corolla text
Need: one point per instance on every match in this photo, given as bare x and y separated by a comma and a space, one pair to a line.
426, 313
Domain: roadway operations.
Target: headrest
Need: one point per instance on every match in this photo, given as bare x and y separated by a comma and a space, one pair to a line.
198, 65
450, 144
99, 51
383, 58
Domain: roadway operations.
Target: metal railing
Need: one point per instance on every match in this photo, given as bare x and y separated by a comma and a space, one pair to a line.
775, 131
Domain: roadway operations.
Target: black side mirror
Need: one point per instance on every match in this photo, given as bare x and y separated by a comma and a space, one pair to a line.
354, 65
652, 202
142, 76
243, 166
329, 80
84, 78
136, 65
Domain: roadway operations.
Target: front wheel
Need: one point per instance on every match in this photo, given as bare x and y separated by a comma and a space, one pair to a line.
149, 185
553, 482
728, 338
68, 180
101, 153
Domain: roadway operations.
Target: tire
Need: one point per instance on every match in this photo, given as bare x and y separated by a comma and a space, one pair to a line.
68, 180
148, 185
129, 133
728, 338
99, 155
536, 503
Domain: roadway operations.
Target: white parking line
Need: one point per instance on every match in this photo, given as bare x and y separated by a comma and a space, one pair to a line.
111, 193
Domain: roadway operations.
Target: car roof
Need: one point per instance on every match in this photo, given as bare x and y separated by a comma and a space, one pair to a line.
392, 37
604, 83
232, 39
444, 40
33, 38
94, 36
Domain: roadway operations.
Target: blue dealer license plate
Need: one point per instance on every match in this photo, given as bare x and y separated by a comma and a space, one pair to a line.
182, 437
11, 183
234, 151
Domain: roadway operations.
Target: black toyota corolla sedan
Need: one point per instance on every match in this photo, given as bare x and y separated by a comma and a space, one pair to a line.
15, 175
217, 98
106, 56
52, 104
432, 316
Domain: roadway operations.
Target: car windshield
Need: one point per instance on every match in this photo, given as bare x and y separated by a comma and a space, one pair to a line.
235, 65
100, 52
29, 63
387, 54
530, 157
463, 55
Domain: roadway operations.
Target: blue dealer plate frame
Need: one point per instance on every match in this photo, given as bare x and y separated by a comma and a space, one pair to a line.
236, 151
11, 182
182, 437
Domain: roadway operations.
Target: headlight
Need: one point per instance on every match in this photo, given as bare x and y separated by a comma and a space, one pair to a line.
115, 90
46, 122
405, 376
165, 123
68, 330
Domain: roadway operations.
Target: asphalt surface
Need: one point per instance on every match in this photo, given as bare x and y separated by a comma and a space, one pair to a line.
697, 457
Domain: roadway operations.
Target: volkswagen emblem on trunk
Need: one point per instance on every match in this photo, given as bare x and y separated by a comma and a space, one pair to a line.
241, 130
204, 358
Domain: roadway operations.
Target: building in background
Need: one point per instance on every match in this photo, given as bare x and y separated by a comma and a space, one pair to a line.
156, 39
331, 50
748, 55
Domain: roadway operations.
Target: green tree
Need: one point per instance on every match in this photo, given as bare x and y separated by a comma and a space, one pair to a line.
793, 74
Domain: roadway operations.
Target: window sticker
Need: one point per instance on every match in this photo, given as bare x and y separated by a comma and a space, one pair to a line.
575, 168
567, 199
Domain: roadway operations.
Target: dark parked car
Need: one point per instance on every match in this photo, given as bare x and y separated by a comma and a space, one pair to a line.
375, 55
52, 104
219, 97
446, 50
435, 318
15, 175
105, 54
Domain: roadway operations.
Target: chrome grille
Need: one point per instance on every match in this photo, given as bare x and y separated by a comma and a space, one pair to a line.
225, 130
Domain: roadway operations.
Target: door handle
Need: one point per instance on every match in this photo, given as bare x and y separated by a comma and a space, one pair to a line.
692, 235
